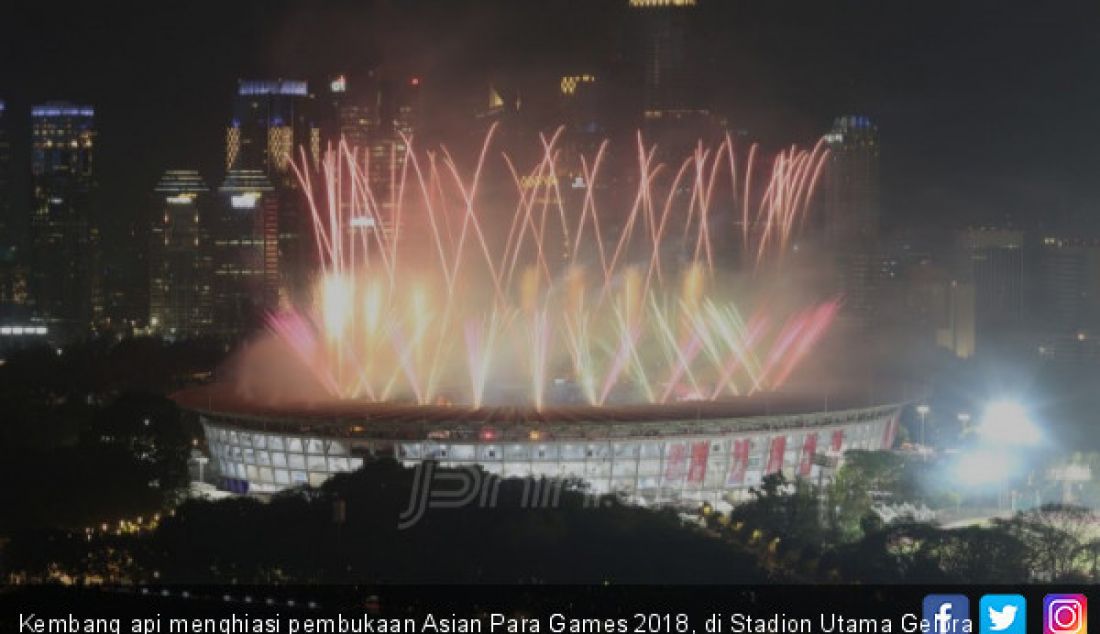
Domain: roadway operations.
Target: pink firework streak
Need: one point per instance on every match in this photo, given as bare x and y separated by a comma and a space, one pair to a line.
431, 290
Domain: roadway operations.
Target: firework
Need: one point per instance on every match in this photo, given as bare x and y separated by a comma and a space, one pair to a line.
540, 291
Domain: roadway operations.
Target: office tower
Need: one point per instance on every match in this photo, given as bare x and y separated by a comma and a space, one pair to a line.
64, 251
275, 122
245, 231
851, 187
955, 327
1067, 310
669, 84
398, 119
272, 122
579, 99
850, 201
7, 223
352, 111
181, 283
674, 112
992, 261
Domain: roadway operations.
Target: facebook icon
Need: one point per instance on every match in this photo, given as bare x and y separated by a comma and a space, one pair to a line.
946, 613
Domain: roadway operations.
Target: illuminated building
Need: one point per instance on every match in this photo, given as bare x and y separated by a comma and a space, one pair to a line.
851, 195
271, 120
353, 111
245, 254
685, 454
1067, 312
672, 106
398, 119
992, 260
580, 100
17, 331
65, 280
13, 278
181, 257
955, 332
851, 212
274, 121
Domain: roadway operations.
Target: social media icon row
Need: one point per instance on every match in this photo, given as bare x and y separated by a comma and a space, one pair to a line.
1004, 614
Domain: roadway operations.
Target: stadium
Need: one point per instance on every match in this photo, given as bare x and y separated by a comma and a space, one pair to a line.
683, 453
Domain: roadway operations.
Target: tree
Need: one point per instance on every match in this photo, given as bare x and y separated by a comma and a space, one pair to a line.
1052, 536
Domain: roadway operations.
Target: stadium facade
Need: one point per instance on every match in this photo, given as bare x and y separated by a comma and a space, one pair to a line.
683, 453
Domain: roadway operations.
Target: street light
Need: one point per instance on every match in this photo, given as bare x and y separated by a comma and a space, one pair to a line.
923, 410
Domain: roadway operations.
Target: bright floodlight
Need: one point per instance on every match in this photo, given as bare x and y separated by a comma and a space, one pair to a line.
984, 467
1007, 423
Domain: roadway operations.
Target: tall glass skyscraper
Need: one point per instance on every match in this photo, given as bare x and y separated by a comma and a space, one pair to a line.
245, 232
65, 280
274, 122
181, 275
852, 181
851, 213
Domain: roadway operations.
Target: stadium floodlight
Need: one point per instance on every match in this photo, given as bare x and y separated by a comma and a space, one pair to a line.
1007, 423
985, 467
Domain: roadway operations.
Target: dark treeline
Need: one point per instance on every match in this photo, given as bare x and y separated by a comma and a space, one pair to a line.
347, 532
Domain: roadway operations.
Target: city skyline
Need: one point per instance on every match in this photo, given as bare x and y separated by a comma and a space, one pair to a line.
674, 291
929, 88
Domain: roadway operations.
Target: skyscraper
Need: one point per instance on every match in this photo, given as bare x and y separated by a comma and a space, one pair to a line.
993, 262
64, 262
851, 213
274, 122
13, 287
181, 283
579, 99
1067, 313
7, 223
245, 231
398, 115
670, 88
272, 119
851, 184
352, 111
674, 112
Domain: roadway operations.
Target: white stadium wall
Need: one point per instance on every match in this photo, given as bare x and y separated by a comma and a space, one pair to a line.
681, 461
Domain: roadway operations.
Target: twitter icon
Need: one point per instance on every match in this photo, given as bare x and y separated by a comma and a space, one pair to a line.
1002, 614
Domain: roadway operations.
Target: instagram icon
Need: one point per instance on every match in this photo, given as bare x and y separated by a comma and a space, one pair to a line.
1065, 614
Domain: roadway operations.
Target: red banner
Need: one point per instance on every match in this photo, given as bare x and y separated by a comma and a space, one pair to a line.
838, 440
699, 453
775, 456
809, 446
676, 462
890, 432
739, 461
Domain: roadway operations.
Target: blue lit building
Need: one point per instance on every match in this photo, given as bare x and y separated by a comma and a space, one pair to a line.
272, 119
274, 122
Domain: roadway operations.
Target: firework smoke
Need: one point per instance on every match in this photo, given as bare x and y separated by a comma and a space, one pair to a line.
447, 287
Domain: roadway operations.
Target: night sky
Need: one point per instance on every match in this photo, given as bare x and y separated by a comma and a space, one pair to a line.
986, 109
